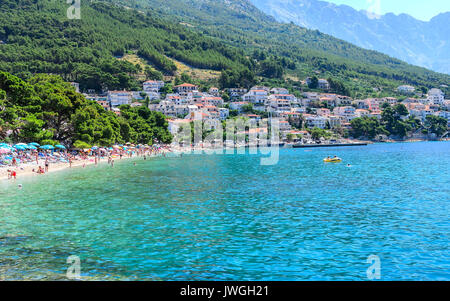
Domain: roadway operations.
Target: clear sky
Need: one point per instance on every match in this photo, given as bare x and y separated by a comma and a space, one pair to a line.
419, 9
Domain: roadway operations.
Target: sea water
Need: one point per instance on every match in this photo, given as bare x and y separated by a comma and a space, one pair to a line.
227, 217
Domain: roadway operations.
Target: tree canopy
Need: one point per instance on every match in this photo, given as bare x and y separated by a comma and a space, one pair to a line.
46, 108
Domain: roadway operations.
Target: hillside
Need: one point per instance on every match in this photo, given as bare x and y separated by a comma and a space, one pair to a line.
420, 43
37, 37
111, 44
241, 24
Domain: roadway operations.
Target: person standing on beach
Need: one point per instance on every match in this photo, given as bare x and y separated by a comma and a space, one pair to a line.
112, 163
11, 174
46, 164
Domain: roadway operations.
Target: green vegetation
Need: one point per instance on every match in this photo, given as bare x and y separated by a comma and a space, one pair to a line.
231, 37
436, 125
394, 123
47, 110
144, 126
365, 126
38, 38
300, 52
317, 133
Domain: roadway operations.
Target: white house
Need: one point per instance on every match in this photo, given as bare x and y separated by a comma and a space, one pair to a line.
390, 100
323, 84
216, 101
406, 89
315, 121
285, 126
185, 88
256, 97
436, 96
236, 93
346, 113
118, 98
279, 91
311, 95
153, 85
238, 105
165, 107
279, 105
289, 97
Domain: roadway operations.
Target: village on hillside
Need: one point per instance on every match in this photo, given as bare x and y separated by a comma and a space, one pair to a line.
327, 111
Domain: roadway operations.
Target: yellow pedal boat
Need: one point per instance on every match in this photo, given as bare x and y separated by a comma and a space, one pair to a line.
332, 160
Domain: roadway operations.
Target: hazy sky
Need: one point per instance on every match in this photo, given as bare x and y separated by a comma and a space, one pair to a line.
419, 9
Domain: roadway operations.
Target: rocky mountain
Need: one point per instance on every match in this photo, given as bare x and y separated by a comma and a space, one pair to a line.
425, 44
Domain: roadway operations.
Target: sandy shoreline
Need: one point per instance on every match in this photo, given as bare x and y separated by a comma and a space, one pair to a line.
26, 170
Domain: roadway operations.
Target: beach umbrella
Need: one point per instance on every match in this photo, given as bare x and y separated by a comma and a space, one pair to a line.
21, 144
94, 147
60, 146
32, 147
48, 147
4, 150
34, 144
20, 147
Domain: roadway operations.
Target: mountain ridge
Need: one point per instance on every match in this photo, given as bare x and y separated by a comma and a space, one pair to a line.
401, 36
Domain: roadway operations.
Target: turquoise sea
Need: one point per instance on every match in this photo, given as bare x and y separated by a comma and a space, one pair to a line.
226, 217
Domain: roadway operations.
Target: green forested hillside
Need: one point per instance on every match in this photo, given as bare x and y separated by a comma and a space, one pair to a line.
239, 23
231, 36
39, 38
47, 110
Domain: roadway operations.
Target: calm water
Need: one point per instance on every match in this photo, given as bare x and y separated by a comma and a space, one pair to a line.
226, 217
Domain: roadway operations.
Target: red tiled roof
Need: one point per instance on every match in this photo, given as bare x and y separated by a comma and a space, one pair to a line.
185, 85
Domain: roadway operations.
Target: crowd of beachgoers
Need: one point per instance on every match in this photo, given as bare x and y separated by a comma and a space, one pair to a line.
26, 159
